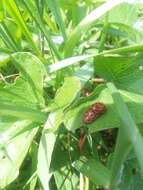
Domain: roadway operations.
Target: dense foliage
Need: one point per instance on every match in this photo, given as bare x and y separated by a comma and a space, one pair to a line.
71, 95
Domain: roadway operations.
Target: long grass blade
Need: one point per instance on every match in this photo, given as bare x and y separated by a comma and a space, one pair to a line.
123, 147
55, 9
67, 62
33, 11
13, 10
86, 23
6, 39
129, 126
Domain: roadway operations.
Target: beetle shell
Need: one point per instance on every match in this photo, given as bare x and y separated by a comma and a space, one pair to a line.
95, 111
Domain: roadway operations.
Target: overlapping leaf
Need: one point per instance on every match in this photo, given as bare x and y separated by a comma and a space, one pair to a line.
26, 93
125, 73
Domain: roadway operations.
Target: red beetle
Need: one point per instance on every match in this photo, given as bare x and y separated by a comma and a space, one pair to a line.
95, 111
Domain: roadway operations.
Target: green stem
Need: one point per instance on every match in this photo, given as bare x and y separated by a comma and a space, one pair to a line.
126, 49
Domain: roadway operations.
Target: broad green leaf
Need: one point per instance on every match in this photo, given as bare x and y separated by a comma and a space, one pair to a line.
124, 13
27, 89
46, 148
94, 170
74, 117
22, 112
21, 103
67, 93
65, 179
123, 70
11, 127
17, 150
84, 73
24, 97
32, 71
44, 158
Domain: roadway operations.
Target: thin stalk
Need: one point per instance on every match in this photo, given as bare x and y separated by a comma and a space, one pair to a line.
55, 9
81, 182
86, 183
126, 49
103, 35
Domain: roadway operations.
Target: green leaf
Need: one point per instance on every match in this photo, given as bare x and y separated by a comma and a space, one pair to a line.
84, 73
7, 39
128, 125
44, 158
16, 150
27, 89
67, 62
2, 14
46, 148
4, 58
13, 10
66, 94
65, 179
32, 71
33, 11
124, 13
123, 147
86, 23
74, 117
123, 70
94, 170
24, 98
55, 9
22, 112
20, 106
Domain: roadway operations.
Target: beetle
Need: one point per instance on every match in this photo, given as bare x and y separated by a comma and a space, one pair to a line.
95, 111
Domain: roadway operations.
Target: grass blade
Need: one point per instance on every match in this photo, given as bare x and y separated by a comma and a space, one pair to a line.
86, 23
55, 9
13, 10
67, 62
6, 39
123, 147
33, 11
129, 126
